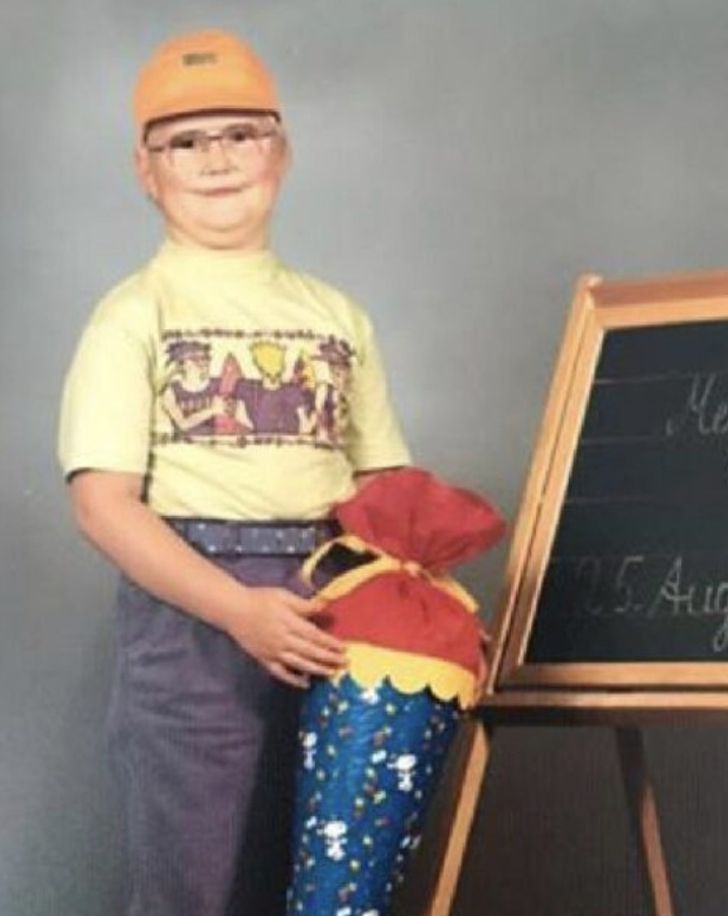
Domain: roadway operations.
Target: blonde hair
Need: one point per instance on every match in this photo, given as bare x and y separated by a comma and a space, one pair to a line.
269, 357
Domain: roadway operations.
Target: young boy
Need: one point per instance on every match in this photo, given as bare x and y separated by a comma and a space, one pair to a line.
219, 403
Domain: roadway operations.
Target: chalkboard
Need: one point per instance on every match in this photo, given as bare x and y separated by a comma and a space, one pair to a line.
639, 566
618, 574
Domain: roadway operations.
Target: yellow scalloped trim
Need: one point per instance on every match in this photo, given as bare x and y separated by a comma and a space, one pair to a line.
410, 672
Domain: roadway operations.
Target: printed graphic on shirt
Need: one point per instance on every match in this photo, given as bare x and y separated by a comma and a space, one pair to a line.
248, 388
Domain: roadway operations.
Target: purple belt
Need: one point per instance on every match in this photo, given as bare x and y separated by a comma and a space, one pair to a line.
215, 537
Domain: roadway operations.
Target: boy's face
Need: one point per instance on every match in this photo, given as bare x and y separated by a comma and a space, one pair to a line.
215, 177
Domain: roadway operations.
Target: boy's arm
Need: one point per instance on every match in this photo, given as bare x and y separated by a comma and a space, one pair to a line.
374, 441
269, 623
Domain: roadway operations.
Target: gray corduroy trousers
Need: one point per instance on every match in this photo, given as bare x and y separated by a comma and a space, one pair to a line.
202, 741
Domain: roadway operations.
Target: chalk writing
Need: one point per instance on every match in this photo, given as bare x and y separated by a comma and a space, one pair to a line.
704, 411
642, 586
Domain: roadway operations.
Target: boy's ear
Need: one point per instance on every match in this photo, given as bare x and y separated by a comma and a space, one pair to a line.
144, 173
285, 157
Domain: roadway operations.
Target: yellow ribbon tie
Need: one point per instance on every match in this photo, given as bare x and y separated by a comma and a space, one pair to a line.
384, 563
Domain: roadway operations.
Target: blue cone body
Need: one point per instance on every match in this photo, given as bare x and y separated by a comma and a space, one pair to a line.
369, 762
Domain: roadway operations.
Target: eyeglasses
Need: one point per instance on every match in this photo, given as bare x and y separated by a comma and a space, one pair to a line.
245, 144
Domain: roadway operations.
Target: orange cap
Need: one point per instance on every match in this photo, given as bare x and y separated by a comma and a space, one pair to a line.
202, 71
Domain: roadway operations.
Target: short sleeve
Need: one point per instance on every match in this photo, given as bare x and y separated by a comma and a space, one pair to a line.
107, 403
374, 437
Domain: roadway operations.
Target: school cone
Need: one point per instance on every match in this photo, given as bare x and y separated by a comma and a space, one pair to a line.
373, 741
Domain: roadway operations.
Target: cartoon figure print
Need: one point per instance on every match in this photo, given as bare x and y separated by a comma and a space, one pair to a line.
347, 911
295, 395
331, 401
197, 403
308, 742
276, 405
334, 834
405, 767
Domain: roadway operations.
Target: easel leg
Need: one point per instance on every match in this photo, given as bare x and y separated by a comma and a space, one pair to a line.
643, 817
470, 769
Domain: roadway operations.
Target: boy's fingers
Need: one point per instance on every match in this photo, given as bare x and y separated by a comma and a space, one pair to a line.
320, 654
309, 632
306, 664
317, 637
282, 673
307, 606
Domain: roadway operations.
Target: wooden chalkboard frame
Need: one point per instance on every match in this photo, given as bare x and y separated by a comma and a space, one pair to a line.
622, 694
583, 688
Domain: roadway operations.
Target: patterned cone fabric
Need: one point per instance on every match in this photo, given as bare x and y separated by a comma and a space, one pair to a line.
369, 761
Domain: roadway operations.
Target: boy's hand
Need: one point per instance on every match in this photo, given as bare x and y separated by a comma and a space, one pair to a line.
274, 628
269, 623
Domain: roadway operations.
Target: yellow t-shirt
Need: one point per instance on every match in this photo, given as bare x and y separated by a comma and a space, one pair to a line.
241, 388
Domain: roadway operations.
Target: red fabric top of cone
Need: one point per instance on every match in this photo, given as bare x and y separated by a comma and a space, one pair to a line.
413, 516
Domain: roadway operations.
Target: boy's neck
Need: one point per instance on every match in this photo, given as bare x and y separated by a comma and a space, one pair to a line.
220, 241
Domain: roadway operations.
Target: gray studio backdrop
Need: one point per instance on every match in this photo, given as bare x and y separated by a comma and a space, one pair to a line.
457, 164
